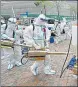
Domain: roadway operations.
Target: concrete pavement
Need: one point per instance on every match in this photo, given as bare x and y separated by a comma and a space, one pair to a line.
22, 76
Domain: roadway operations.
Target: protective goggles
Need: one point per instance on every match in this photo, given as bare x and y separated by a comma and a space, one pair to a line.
12, 22
43, 19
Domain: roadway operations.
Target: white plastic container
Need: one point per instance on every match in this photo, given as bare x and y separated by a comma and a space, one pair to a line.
74, 34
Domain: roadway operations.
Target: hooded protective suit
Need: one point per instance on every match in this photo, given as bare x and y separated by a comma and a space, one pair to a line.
60, 29
63, 23
13, 53
36, 38
3, 26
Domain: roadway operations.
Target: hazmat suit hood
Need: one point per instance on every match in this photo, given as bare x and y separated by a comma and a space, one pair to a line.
40, 20
11, 21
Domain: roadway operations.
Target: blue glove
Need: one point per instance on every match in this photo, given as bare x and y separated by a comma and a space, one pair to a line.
72, 62
24, 50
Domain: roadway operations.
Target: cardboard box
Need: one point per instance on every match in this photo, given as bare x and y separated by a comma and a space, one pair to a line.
75, 71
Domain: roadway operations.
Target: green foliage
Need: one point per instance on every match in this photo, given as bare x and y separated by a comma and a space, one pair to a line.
43, 2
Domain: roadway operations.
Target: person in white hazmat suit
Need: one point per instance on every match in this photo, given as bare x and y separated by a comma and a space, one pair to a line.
32, 38
3, 28
61, 34
66, 29
63, 23
14, 53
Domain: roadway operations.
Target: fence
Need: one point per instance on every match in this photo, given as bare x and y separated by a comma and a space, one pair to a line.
50, 16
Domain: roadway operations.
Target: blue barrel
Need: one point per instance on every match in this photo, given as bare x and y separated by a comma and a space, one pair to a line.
51, 39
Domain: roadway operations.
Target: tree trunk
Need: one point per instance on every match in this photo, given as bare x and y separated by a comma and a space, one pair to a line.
57, 5
44, 10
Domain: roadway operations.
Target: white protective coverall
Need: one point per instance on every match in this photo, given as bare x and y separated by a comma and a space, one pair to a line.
32, 38
60, 27
14, 53
63, 23
3, 26
67, 29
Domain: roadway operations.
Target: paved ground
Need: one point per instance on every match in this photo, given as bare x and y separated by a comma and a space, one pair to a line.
22, 76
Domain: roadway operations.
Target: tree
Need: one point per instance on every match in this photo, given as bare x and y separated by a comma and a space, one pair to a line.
58, 8
72, 7
74, 11
59, 5
43, 3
